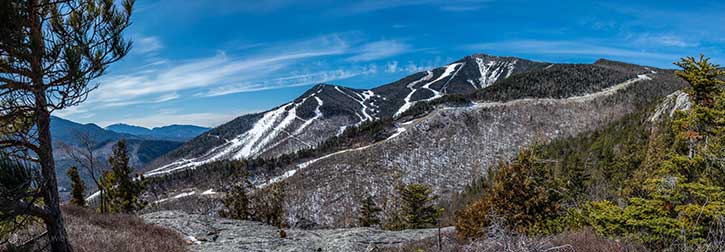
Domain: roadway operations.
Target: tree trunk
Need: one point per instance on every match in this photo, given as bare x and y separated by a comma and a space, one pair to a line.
56, 229
57, 236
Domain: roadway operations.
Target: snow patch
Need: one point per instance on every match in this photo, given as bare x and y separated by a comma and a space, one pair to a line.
362, 99
491, 71
398, 131
411, 86
253, 141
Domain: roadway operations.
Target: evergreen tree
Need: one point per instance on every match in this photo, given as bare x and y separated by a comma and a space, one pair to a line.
524, 194
123, 191
18, 185
680, 200
236, 202
267, 204
417, 208
369, 212
78, 188
50, 54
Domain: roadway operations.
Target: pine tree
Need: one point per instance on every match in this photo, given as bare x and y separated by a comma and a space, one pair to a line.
236, 202
267, 204
51, 53
369, 212
78, 188
123, 191
524, 194
680, 200
417, 208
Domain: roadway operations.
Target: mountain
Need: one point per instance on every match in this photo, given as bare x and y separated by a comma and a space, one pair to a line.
68, 134
174, 132
327, 110
443, 127
129, 129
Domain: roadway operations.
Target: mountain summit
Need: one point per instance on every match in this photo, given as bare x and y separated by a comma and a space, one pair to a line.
326, 110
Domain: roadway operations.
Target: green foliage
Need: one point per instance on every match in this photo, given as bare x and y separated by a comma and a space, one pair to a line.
524, 193
78, 188
17, 185
267, 204
417, 209
703, 79
369, 212
122, 189
236, 202
679, 200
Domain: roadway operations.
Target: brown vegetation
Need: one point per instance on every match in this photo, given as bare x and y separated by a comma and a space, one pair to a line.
90, 231
585, 240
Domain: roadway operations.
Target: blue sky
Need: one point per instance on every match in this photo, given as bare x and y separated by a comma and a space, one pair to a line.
205, 62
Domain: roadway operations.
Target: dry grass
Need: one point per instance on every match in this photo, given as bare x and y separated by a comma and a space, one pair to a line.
586, 240
90, 232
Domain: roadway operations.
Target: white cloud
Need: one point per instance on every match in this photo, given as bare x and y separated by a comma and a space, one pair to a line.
668, 40
461, 8
160, 82
287, 81
566, 47
380, 50
445, 5
392, 67
145, 45
414, 68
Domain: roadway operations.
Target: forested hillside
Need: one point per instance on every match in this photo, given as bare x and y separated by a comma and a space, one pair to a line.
655, 177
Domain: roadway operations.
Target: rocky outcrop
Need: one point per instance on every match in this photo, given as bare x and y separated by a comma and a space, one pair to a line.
216, 234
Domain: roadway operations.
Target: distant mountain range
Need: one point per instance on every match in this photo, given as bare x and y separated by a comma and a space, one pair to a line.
142, 147
171, 132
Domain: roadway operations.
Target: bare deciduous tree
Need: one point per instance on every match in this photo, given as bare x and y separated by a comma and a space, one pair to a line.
86, 158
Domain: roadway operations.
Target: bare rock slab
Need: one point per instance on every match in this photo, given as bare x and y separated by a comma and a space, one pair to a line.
217, 234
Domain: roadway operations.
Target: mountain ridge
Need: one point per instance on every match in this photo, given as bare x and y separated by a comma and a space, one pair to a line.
340, 107
176, 132
443, 145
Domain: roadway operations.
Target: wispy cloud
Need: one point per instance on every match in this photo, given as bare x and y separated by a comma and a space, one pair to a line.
568, 48
380, 50
291, 64
445, 5
287, 81
162, 82
462, 7
145, 45
667, 40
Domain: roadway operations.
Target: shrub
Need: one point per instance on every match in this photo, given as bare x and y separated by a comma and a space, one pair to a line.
524, 193
89, 231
